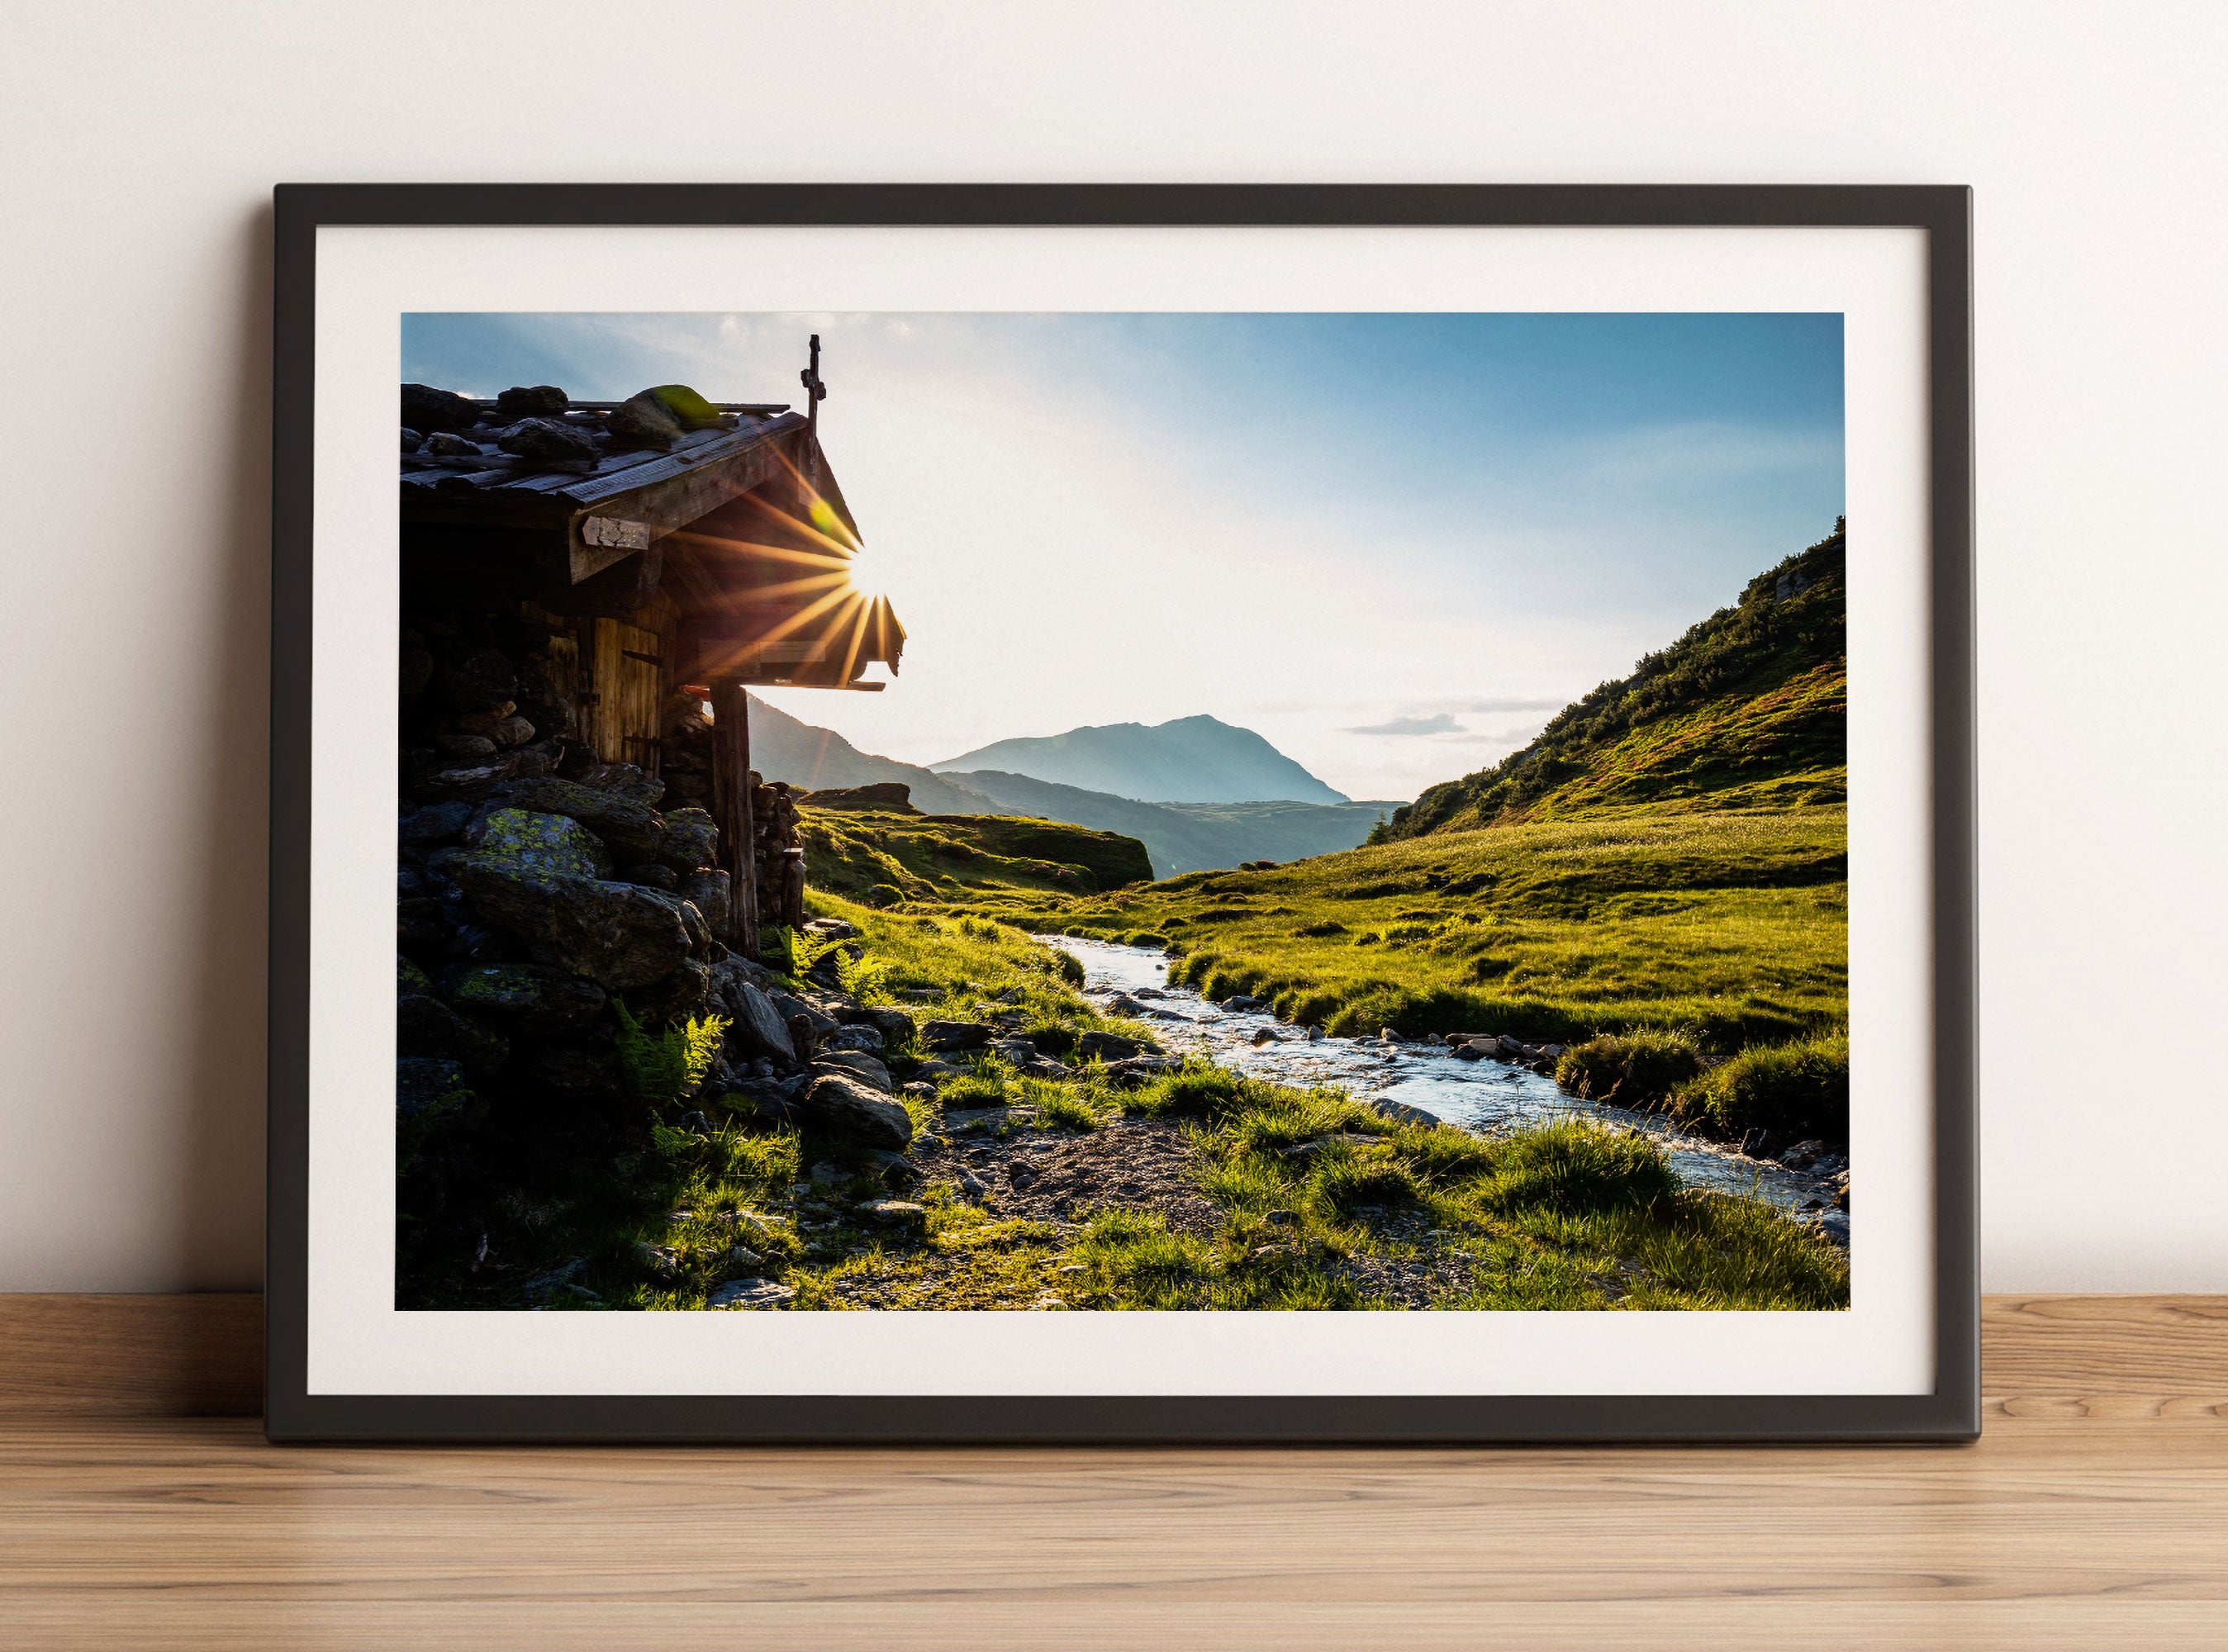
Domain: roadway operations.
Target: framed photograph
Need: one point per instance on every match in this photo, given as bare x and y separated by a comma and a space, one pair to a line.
1155, 814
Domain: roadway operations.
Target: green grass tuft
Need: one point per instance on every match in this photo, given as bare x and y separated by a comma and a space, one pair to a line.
1795, 1090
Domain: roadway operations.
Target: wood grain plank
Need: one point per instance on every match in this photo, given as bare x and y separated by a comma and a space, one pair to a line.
2075, 1522
193, 1533
124, 1355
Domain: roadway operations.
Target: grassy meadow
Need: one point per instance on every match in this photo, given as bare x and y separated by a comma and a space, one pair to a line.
1316, 1201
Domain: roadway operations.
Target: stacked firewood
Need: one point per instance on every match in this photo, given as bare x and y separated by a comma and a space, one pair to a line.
778, 854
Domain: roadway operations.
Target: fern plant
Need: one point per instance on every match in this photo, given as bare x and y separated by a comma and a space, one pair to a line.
668, 1064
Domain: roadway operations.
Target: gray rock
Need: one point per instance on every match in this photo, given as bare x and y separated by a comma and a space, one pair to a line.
478, 722
424, 1084
439, 823
513, 730
538, 843
632, 828
708, 891
641, 420
1401, 1113
475, 943
426, 408
1143, 1069
851, 1037
443, 445
894, 1212
894, 1026
465, 784
855, 1107
755, 1028
1109, 1047
624, 780
531, 998
858, 1063
1467, 1052
680, 995
955, 1035
791, 1007
691, 840
409, 978
832, 929
464, 745
619, 935
531, 401
424, 1026
750, 1293
650, 875
537, 442
412, 439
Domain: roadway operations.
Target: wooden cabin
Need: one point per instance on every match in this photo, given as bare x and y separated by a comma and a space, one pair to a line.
668, 547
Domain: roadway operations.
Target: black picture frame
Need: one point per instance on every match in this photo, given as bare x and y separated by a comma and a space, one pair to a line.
1950, 1412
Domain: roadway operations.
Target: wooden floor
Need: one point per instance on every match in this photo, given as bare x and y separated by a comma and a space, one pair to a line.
2094, 1513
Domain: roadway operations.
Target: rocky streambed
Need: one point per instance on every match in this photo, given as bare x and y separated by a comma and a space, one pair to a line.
1486, 1095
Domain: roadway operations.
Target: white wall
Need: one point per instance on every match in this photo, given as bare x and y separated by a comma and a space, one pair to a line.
140, 145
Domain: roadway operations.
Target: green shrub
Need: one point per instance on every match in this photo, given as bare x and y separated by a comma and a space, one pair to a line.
1064, 1107
884, 894
988, 1086
1579, 1166
1339, 1181
666, 1065
1796, 1090
1638, 1069
1199, 1090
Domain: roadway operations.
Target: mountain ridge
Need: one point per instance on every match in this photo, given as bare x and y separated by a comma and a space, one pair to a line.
1747, 709
1179, 837
1185, 760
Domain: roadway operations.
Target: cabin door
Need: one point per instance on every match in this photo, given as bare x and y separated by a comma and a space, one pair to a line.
630, 695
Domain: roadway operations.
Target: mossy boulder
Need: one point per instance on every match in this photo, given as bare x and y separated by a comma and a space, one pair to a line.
531, 999
540, 842
619, 935
631, 829
691, 840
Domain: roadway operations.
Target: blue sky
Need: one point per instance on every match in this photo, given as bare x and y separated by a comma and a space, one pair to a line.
1394, 544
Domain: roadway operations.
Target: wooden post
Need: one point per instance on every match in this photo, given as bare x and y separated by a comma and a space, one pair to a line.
731, 793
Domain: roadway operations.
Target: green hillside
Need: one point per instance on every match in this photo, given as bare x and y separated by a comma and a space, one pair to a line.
1190, 836
887, 854
1745, 711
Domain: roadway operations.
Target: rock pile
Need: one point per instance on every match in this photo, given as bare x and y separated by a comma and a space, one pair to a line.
778, 852
535, 427
536, 885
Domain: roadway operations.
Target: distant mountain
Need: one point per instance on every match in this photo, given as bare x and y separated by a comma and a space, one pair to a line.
783, 748
1746, 711
1192, 759
1190, 837
1180, 837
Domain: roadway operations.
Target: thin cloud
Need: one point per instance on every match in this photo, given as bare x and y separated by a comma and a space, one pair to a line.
1437, 723
1492, 706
